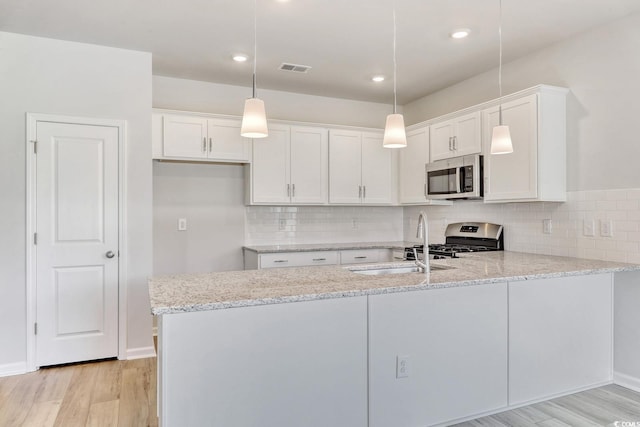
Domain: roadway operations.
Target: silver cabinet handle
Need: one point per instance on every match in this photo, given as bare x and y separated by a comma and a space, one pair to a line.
281, 260
364, 191
455, 142
204, 144
288, 190
450, 144
360, 191
319, 259
293, 190
425, 189
359, 257
110, 254
210, 145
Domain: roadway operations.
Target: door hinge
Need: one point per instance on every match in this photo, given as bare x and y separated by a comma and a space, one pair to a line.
35, 238
35, 147
35, 328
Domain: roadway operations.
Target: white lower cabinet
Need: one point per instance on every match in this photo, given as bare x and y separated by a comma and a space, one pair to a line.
298, 259
455, 343
362, 256
285, 365
560, 336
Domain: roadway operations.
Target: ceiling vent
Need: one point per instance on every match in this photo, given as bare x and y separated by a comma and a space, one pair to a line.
294, 68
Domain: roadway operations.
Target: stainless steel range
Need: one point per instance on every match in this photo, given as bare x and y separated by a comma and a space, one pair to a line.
463, 237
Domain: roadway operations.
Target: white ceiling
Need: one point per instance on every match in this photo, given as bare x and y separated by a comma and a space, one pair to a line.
345, 41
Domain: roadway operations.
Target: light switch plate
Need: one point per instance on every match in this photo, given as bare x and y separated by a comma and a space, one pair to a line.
182, 224
402, 366
547, 226
606, 228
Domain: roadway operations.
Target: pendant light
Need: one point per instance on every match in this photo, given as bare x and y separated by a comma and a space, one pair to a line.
501, 137
394, 133
254, 119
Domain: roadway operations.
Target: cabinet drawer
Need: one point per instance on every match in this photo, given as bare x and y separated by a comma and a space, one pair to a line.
298, 259
365, 255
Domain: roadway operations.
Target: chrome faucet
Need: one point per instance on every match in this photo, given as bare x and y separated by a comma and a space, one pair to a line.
423, 233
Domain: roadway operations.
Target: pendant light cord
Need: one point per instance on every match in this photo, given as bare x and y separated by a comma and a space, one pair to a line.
255, 44
395, 65
500, 65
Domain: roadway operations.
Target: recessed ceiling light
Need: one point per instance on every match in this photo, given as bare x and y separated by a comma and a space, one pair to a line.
377, 79
460, 33
240, 57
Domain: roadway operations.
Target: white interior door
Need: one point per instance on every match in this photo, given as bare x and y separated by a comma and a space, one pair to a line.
77, 243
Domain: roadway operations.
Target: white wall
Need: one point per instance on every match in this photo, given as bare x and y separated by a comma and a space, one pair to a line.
601, 68
50, 76
211, 198
190, 95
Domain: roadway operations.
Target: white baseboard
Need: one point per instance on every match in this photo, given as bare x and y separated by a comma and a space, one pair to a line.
627, 381
13, 369
141, 352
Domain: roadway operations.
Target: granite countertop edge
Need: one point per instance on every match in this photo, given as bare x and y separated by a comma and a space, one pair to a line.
161, 310
311, 247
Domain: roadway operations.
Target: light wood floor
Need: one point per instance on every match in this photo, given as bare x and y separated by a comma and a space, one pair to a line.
592, 408
123, 393
111, 393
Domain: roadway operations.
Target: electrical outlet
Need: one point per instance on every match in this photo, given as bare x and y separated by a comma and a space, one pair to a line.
282, 224
547, 226
589, 228
402, 366
606, 228
182, 224
354, 223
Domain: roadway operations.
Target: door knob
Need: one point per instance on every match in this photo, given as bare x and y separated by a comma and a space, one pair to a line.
110, 254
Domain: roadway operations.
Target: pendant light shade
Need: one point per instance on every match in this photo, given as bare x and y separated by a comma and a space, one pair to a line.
254, 119
501, 137
501, 140
394, 133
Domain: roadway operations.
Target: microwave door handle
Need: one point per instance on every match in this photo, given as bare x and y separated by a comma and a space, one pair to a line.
459, 181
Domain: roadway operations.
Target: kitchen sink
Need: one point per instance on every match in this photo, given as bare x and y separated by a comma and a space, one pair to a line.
398, 270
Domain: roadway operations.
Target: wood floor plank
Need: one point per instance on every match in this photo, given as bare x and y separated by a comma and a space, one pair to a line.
43, 414
7, 384
54, 384
134, 404
616, 406
77, 401
581, 406
20, 400
560, 413
513, 418
532, 414
104, 414
552, 422
622, 392
108, 382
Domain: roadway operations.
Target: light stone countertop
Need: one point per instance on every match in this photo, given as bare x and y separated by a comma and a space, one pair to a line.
221, 290
268, 249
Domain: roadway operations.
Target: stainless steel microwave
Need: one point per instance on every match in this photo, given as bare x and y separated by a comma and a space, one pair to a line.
456, 178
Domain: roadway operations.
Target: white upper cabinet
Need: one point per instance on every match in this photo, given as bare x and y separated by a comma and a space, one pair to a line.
361, 170
196, 137
536, 170
290, 166
413, 160
455, 137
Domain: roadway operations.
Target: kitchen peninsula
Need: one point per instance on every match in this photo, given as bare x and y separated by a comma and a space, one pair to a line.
487, 332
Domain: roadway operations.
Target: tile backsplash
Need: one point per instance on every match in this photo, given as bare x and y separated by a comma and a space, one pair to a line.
523, 224
272, 225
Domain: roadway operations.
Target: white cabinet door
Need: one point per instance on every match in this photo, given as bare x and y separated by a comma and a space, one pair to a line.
468, 137
309, 165
345, 179
378, 173
454, 342
440, 141
270, 167
560, 335
185, 136
413, 160
224, 141
362, 256
514, 176
298, 259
